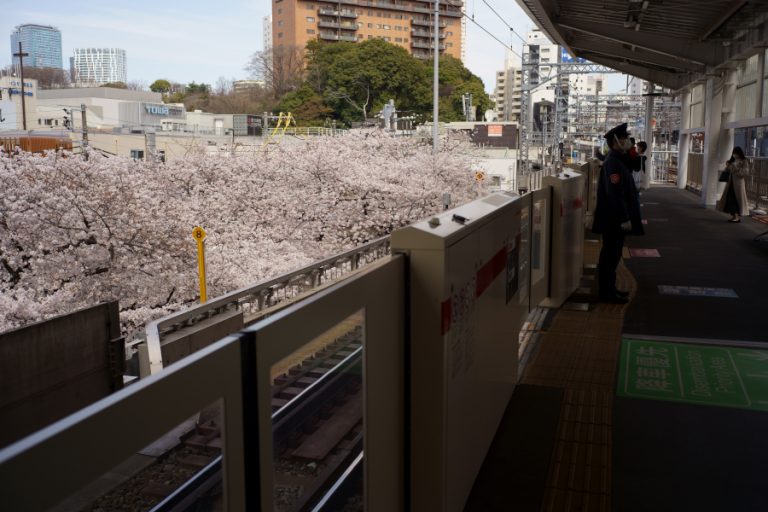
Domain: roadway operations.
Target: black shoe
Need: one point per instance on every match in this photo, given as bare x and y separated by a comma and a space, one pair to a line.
613, 299
622, 293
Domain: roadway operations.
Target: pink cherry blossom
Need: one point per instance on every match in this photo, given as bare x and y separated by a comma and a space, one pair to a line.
74, 232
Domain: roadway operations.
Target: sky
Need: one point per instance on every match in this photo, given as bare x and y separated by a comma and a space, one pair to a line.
192, 40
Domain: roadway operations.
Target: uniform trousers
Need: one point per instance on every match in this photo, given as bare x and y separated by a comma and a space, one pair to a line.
610, 256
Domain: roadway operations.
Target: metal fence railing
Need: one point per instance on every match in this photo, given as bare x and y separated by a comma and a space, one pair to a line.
757, 183
664, 168
262, 296
695, 172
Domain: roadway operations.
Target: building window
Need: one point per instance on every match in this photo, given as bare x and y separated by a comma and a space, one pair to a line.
310, 19
310, 7
386, 27
398, 39
370, 36
310, 31
280, 23
279, 35
448, 44
405, 39
280, 10
378, 25
449, 33
386, 39
137, 154
370, 25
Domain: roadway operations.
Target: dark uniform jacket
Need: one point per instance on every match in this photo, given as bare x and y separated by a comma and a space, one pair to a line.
617, 198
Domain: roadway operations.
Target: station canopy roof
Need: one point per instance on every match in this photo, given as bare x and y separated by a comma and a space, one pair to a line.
668, 42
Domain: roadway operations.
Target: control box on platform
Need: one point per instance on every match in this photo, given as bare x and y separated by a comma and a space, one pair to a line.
469, 274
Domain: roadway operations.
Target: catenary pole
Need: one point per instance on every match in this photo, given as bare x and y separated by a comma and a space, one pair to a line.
436, 79
21, 56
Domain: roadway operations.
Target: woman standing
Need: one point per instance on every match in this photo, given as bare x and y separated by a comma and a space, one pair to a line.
734, 198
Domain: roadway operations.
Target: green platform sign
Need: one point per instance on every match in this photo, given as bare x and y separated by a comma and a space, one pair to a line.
700, 374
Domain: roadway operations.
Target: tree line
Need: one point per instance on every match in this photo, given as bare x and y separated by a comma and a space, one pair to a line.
352, 81
345, 81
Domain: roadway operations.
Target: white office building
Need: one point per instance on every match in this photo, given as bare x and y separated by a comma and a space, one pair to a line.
97, 66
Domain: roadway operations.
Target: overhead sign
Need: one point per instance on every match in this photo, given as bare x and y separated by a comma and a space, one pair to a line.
701, 374
566, 57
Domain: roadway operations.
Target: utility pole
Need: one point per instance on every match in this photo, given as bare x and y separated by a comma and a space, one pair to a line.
85, 130
436, 80
150, 146
21, 56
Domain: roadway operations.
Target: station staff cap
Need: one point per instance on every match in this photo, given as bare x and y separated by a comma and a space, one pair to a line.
619, 131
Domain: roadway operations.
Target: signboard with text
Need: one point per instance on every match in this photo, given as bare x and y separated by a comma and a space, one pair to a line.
699, 374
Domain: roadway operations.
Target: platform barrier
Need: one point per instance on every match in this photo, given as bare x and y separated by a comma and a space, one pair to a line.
470, 278
567, 253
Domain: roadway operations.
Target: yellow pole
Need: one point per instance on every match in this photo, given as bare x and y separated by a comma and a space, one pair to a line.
199, 235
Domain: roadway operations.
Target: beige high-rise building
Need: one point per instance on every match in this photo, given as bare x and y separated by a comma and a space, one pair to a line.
406, 23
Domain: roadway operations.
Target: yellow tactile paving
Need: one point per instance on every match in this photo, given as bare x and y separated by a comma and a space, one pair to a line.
578, 353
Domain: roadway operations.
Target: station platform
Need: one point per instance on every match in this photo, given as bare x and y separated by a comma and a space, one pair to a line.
657, 405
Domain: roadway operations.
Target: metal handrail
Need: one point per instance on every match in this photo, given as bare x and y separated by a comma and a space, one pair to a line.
262, 295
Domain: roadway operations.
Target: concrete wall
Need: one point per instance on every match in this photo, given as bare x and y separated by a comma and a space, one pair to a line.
51, 369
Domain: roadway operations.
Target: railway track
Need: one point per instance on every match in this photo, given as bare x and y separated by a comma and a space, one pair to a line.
317, 435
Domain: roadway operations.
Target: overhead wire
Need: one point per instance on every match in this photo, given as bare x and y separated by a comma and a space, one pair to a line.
503, 21
472, 19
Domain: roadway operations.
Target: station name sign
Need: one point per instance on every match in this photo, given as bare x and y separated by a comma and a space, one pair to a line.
163, 110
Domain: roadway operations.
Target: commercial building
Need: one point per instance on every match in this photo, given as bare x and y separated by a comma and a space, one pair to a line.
97, 66
41, 42
407, 24
108, 108
11, 106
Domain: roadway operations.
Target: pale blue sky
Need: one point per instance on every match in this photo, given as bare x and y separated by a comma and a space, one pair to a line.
192, 40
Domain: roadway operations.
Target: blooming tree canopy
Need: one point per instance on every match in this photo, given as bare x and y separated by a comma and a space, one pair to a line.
74, 232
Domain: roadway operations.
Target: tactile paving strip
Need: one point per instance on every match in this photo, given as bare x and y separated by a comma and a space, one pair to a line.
578, 353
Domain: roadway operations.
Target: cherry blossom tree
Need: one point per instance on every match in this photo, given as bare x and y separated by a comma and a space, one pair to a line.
74, 233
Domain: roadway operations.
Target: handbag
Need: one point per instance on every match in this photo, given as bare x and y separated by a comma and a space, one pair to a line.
724, 176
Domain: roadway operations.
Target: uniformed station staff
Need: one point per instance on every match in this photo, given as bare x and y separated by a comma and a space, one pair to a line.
617, 212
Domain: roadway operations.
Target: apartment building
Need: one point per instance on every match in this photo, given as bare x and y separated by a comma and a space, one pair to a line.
406, 23
508, 90
96, 66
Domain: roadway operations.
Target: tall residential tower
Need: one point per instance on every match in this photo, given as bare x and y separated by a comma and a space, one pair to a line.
97, 66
